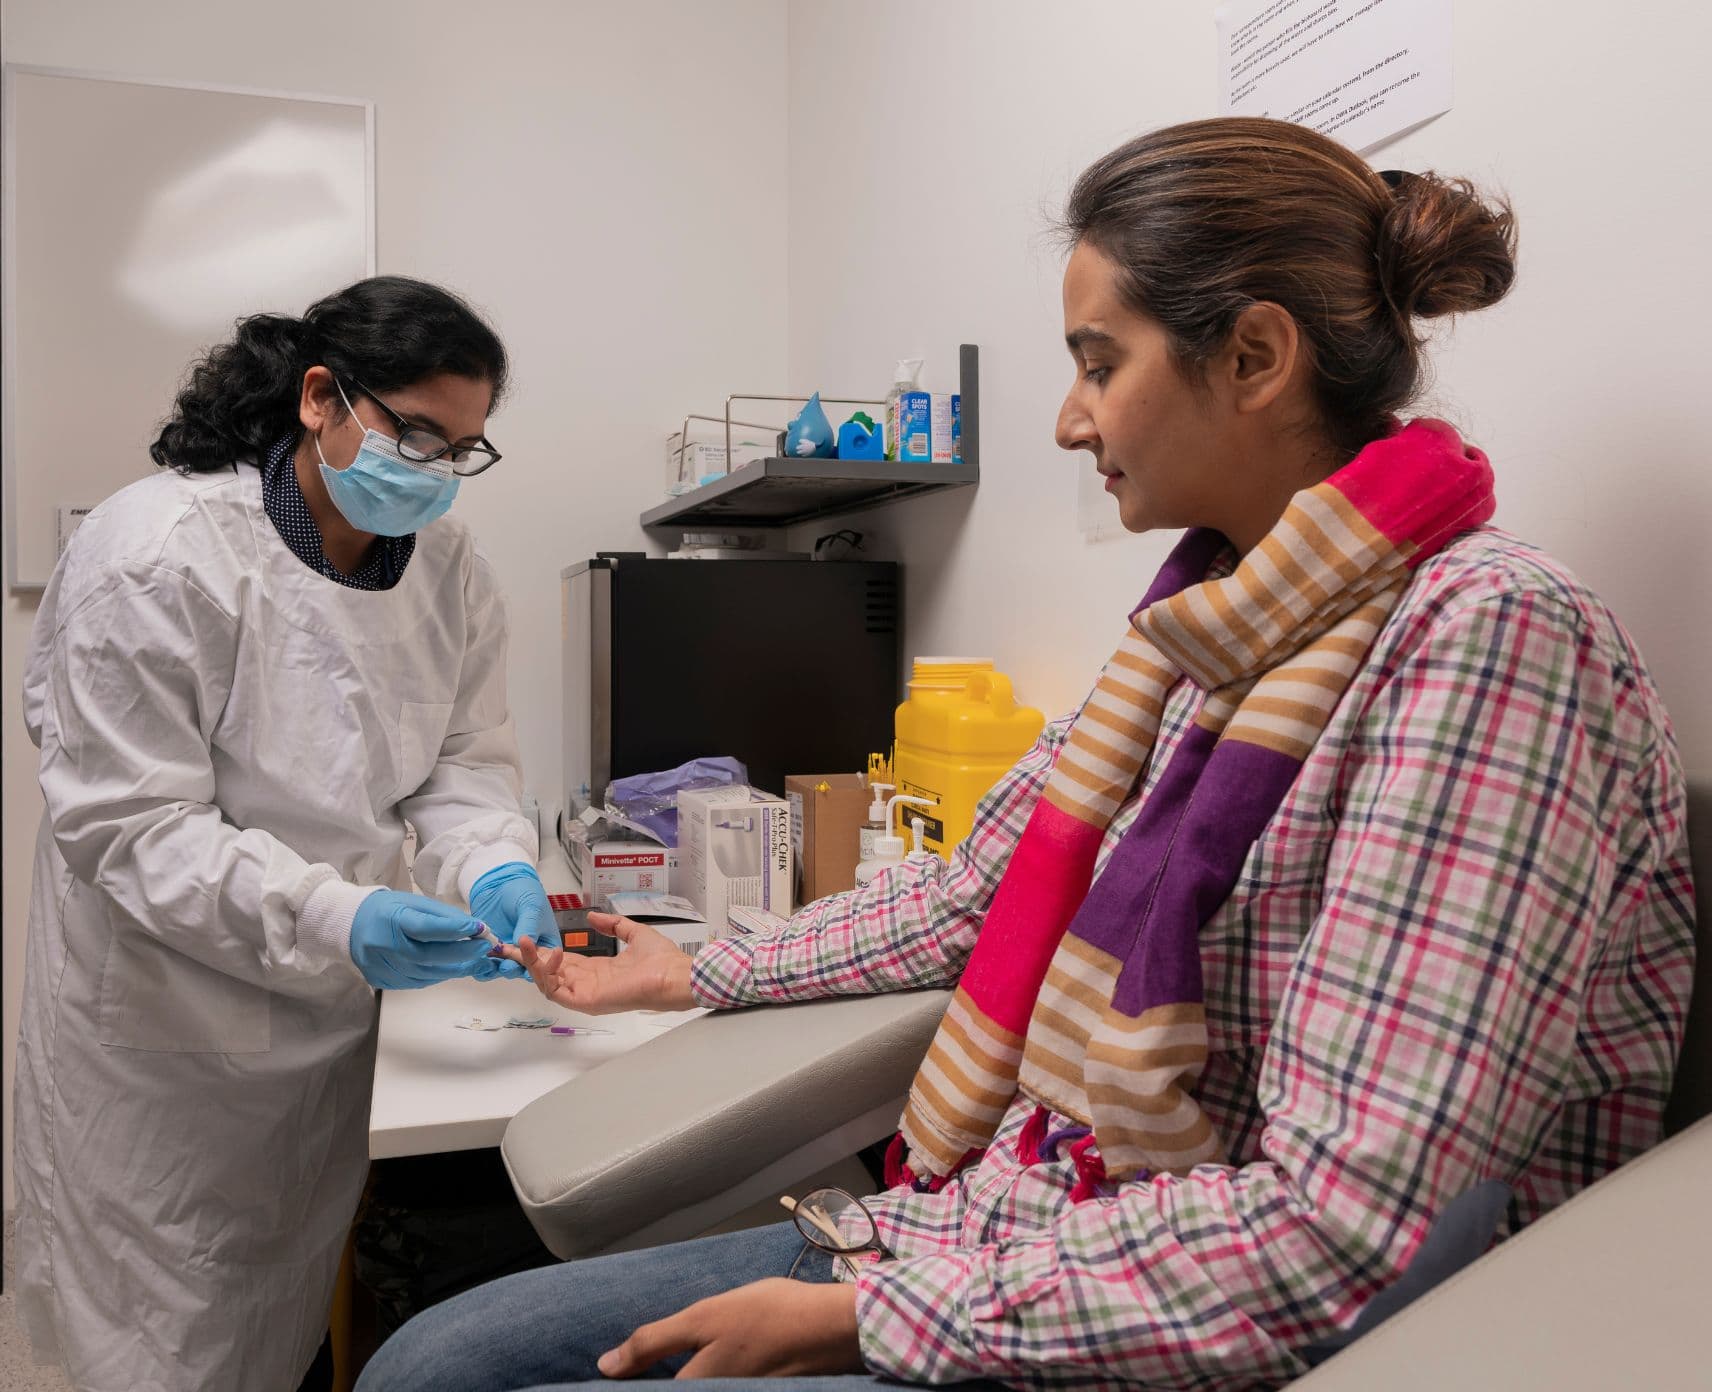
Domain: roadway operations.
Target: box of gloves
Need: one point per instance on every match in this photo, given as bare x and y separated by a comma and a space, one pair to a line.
736, 848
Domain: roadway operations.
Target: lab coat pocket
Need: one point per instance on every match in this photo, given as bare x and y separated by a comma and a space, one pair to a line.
421, 732
157, 999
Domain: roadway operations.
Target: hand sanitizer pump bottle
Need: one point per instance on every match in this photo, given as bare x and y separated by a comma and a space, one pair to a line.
888, 849
875, 825
918, 836
904, 379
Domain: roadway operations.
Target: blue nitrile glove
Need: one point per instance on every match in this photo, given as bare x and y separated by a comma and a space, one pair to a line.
401, 941
512, 901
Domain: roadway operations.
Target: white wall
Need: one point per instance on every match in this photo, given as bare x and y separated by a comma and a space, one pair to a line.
1586, 386
586, 172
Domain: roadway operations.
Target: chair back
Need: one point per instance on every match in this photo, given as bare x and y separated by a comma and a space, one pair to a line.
1691, 1098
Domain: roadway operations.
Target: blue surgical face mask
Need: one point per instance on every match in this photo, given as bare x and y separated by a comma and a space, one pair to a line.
383, 492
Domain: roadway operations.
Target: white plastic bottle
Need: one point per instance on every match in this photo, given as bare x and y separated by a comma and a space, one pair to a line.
875, 825
888, 849
904, 379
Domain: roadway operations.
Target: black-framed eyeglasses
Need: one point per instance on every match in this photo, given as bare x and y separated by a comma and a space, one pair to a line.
418, 443
838, 1222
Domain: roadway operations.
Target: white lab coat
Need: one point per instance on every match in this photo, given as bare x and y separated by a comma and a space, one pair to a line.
230, 746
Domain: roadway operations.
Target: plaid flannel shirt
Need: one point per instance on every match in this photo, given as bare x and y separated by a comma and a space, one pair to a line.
1461, 950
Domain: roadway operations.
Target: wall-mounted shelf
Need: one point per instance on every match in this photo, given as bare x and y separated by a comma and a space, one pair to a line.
783, 492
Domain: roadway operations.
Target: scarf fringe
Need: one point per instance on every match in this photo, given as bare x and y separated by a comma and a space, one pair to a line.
899, 1175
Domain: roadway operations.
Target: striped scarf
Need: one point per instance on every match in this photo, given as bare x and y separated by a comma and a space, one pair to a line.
1089, 1000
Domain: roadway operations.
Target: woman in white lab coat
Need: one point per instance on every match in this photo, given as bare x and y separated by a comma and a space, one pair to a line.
247, 672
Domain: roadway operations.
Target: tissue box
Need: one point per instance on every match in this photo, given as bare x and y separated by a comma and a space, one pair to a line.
827, 813
686, 467
736, 849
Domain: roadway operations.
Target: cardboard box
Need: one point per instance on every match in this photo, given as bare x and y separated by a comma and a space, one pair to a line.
736, 845
909, 427
827, 812
920, 427
687, 465
669, 915
608, 866
743, 921
946, 427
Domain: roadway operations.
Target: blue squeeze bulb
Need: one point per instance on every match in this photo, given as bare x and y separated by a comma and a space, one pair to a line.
809, 435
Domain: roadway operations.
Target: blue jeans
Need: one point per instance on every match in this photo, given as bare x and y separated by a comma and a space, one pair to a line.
490, 1339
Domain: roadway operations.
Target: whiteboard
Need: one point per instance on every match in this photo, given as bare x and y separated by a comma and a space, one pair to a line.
140, 220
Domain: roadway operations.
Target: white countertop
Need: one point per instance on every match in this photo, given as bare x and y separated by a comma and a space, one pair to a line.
438, 1087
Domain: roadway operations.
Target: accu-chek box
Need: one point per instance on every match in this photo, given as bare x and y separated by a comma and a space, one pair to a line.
736, 845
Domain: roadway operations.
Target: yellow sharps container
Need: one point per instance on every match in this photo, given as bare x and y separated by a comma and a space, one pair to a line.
960, 729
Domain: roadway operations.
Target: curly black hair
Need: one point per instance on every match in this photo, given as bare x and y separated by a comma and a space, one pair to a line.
387, 332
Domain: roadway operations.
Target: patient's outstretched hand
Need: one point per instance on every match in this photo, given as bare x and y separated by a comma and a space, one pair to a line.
652, 973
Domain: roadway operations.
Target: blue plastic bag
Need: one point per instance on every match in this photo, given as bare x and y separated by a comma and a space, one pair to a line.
651, 799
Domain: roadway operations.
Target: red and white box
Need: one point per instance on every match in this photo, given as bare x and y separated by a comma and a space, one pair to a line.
610, 867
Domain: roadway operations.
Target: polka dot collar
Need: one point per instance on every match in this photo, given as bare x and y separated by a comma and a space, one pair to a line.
381, 569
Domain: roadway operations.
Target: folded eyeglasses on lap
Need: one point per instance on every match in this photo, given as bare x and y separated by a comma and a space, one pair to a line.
838, 1222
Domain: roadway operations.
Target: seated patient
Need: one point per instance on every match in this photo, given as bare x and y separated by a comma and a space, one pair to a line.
1358, 880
